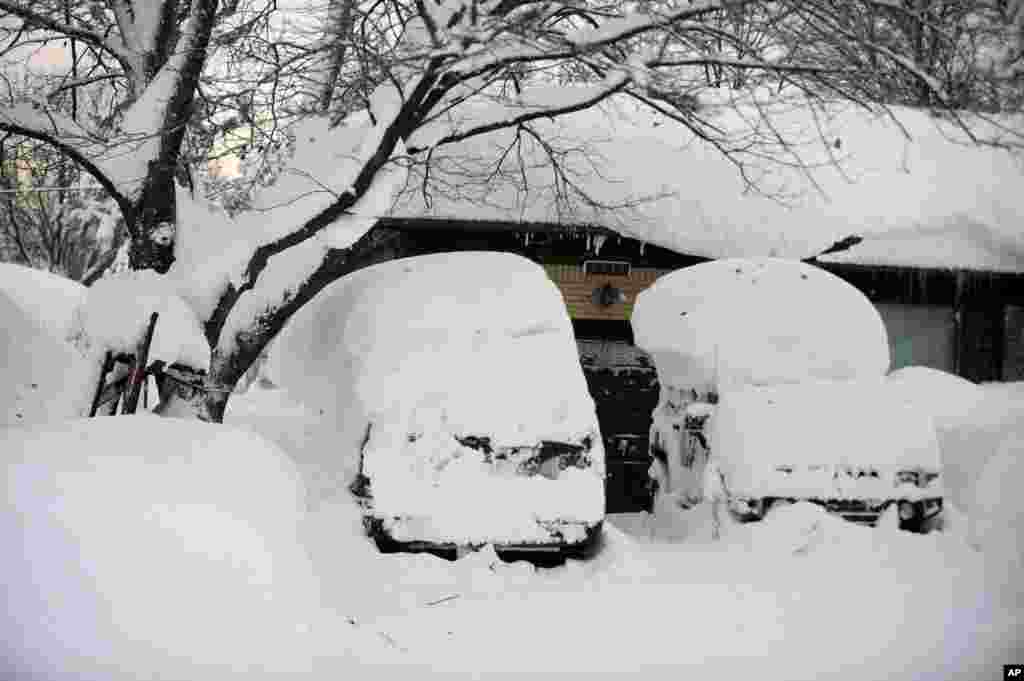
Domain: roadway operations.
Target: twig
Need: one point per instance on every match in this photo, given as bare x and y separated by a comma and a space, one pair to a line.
443, 600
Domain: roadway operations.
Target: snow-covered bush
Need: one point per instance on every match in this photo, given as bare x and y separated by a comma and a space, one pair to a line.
139, 547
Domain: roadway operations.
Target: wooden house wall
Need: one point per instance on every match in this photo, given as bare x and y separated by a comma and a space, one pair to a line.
578, 288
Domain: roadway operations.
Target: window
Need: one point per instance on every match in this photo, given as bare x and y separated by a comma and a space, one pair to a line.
613, 267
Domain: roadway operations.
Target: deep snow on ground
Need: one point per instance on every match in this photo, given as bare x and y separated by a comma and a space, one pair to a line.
802, 595
139, 545
158, 548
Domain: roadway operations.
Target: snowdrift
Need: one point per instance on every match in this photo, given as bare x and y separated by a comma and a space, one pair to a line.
42, 378
972, 422
997, 519
47, 298
140, 545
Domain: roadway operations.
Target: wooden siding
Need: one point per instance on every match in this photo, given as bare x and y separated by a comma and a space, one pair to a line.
578, 289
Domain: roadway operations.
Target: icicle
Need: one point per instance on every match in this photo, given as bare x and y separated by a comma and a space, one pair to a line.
598, 243
590, 242
642, 244
526, 240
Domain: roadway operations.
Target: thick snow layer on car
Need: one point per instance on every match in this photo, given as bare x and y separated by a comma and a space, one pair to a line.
116, 313
42, 377
478, 338
415, 354
140, 545
48, 298
757, 321
789, 440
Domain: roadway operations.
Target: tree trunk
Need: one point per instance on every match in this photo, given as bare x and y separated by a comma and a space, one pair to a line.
198, 398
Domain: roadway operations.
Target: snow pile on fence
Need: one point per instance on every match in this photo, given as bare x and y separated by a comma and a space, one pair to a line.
42, 378
116, 314
139, 544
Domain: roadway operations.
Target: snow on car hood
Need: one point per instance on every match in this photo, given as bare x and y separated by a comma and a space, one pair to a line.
856, 426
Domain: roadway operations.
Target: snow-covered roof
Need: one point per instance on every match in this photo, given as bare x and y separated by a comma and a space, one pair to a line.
935, 200
761, 321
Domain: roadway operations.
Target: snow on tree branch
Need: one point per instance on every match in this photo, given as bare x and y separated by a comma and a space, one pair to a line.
95, 40
84, 146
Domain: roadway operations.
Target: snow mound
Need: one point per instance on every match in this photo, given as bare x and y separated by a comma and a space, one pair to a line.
42, 378
797, 529
997, 518
115, 316
947, 397
49, 299
969, 439
141, 544
758, 321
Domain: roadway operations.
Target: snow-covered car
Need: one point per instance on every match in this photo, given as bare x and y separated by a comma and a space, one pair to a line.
727, 323
461, 372
854, 447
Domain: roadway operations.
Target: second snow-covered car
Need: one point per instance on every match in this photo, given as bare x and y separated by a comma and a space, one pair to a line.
854, 447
